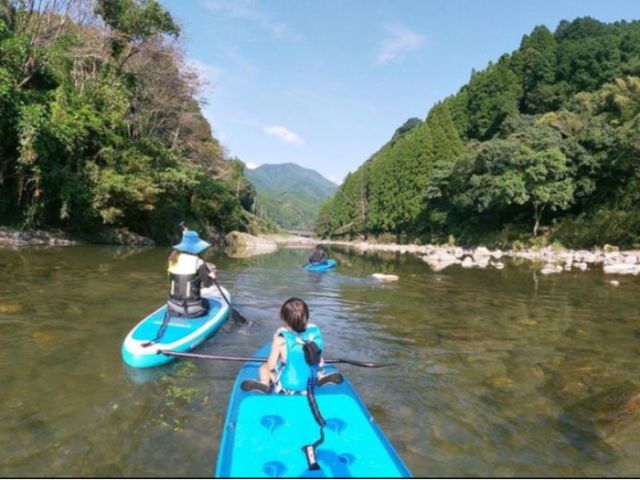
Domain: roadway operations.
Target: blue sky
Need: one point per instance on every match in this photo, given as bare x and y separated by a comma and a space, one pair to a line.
325, 83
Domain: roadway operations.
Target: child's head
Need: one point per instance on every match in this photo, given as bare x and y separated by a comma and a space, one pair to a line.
295, 314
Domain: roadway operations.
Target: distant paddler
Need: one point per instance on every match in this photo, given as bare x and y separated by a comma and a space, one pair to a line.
318, 256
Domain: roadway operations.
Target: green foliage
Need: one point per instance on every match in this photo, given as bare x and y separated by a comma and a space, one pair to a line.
545, 140
85, 141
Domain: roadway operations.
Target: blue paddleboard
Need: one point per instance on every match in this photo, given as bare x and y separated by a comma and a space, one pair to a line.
181, 334
264, 434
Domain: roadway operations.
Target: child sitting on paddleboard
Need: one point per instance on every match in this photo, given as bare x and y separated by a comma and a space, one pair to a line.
288, 367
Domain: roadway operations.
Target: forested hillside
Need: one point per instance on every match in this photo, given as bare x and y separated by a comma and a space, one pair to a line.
288, 194
543, 144
100, 126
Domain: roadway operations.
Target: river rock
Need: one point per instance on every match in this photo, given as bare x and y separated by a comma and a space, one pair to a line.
386, 277
622, 269
124, 236
550, 268
614, 283
581, 266
468, 262
480, 253
241, 245
631, 259
440, 259
498, 265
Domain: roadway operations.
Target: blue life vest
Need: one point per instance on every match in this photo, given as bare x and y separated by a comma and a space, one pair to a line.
296, 372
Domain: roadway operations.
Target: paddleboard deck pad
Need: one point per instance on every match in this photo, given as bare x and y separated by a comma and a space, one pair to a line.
264, 434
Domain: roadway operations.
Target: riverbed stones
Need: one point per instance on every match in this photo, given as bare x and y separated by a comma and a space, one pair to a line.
603, 414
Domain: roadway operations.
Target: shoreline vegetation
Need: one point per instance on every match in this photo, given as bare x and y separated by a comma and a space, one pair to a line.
543, 142
101, 128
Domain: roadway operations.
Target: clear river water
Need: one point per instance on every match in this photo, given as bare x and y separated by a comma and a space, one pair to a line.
497, 373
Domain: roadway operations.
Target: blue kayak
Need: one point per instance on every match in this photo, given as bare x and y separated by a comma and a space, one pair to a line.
264, 434
321, 267
181, 334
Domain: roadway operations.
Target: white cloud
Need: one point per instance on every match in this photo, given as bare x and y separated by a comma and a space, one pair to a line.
400, 41
284, 134
246, 10
251, 165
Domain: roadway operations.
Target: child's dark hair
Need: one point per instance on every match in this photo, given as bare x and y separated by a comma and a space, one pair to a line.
173, 256
295, 313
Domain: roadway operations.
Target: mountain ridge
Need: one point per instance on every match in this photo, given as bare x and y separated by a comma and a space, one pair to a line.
289, 194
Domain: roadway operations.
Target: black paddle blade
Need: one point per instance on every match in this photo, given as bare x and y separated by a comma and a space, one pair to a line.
238, 317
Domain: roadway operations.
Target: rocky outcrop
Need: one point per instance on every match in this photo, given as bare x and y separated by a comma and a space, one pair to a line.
19, 238
241, 245
123, 236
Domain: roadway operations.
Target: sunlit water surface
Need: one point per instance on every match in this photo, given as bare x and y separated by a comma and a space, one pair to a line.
498, 373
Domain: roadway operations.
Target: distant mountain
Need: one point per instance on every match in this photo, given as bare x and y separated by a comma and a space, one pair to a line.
289, 195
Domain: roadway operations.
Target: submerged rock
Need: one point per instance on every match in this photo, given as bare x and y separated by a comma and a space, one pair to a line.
605, 413
589, 424
11, 307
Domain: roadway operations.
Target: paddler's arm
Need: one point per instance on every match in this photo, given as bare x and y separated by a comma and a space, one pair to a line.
275, 353
207, 273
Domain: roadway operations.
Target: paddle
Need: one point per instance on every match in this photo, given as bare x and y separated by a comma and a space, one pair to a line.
233, 358
234, 311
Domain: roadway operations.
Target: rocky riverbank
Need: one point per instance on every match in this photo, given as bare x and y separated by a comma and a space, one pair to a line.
551, 260
10, 237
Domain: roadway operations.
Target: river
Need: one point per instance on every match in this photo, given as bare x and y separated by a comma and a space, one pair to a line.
498, 373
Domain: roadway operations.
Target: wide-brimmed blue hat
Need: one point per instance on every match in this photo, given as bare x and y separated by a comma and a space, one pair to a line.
191, 243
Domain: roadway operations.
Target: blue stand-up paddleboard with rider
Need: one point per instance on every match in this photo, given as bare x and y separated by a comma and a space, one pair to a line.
197, 307
290, 415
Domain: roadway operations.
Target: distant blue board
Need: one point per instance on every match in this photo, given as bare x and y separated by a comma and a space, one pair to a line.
321, 267
264, 434
181, 334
